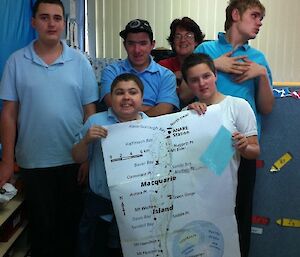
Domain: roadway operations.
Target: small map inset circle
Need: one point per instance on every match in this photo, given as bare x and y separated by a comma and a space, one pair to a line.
198, 238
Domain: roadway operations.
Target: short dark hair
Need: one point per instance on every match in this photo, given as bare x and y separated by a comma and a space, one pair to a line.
187, 24
241, 6
38, 2
195, 59
127, 77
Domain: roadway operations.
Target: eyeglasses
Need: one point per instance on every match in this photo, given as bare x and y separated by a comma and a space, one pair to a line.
187, 36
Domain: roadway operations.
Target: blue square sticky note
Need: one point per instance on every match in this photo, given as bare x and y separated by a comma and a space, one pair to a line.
219, 152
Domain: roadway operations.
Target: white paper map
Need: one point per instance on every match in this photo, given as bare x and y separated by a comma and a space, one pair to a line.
166, 202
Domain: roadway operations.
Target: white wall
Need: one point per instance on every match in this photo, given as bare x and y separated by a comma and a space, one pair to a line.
278, 39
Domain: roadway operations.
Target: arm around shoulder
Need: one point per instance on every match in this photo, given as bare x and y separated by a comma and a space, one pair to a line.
157, 110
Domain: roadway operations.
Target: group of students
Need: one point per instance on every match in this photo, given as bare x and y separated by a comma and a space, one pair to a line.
49, 91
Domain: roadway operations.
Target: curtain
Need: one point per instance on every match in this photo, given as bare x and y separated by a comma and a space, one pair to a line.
15, 30
80, 11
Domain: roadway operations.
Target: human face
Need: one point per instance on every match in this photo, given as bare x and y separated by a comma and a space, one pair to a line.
184, 42
250, 22
202, 81
138, 47
126, 100
49, 22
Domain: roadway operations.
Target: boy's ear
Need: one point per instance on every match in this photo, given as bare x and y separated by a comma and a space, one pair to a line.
235, 14
33, 22
153, 43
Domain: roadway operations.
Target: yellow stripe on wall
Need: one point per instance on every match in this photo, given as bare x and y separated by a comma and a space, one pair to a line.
286, 84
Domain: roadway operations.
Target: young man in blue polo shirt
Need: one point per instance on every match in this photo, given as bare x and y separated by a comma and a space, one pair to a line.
243, 72
160, 83
48, 90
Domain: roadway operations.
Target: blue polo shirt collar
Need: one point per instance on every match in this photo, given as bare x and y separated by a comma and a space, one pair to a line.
112, 116
152, 68
223, 40
30, 54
